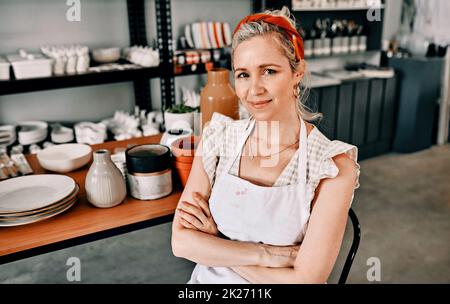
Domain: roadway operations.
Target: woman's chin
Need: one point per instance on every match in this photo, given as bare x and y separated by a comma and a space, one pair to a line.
263, 115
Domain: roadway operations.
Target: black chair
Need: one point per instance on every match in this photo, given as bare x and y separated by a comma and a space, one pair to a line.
353, 249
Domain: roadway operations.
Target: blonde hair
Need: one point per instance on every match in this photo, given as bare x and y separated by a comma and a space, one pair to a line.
261, 28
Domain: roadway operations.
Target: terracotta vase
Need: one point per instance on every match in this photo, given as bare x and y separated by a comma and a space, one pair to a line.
218, 96
105, 185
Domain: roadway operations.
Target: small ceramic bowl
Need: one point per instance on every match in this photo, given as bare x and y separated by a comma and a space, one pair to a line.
64, 158
106, 55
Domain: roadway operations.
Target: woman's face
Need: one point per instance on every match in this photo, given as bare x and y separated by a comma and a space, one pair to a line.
264, 80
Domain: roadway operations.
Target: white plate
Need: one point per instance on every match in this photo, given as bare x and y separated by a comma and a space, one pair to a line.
34, 191
42, 211
188, 35
33, 219
227, 33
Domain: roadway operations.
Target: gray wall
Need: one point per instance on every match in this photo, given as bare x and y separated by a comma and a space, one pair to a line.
29, 24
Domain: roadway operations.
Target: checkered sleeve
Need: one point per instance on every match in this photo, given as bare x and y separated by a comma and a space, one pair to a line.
329, 168
322, 164
213, 139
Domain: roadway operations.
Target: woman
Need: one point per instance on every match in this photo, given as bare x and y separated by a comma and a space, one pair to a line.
274, 215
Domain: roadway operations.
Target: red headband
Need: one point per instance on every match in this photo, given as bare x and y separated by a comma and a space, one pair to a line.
281, 22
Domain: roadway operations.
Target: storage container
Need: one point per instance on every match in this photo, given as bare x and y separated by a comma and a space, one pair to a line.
31, 66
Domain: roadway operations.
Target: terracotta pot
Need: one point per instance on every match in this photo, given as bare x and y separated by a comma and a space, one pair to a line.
183, 170
185, 146
183, 150
184, 159
218, 96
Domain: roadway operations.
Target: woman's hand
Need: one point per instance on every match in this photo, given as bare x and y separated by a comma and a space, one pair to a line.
197, 215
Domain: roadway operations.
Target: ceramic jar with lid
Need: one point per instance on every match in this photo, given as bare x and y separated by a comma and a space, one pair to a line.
149, 174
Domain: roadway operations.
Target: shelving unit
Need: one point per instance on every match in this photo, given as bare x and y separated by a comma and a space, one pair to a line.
139, 76
330, 9
76, 80
307, 17
165, 72
342, 55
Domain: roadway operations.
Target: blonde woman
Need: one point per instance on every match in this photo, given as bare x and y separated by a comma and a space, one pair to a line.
268, 196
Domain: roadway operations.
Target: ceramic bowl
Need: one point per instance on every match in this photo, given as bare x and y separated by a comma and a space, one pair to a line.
106, 55
64, 158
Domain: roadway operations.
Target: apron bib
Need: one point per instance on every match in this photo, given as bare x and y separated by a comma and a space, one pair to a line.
244, 211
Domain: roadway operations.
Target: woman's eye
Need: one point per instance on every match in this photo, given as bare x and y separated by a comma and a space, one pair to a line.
269, 71
242, 75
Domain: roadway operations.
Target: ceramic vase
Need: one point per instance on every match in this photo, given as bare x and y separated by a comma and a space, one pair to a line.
105, 185
218, 96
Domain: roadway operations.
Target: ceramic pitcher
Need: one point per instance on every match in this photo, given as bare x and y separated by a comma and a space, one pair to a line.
105, 185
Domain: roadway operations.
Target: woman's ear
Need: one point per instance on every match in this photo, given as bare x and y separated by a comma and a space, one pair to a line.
300, 72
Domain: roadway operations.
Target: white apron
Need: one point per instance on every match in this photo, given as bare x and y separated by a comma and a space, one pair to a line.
247, 212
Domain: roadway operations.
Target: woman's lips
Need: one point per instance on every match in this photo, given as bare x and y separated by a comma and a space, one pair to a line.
259, 104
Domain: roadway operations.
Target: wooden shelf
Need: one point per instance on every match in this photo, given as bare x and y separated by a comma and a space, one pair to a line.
77, 80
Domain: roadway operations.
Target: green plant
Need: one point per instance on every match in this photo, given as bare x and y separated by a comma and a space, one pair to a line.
182, 108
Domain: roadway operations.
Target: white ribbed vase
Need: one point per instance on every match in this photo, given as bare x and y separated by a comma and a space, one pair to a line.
105, 185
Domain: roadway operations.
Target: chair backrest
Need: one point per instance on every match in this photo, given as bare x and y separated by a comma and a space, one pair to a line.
353, 249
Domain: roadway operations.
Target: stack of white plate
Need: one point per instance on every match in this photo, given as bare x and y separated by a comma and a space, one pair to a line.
28, 199
32, 132
7, 135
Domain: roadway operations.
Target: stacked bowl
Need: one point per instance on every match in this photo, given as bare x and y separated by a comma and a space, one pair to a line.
7, 135
32, 132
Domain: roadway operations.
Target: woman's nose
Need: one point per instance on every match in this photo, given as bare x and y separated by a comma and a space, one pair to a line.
256, 87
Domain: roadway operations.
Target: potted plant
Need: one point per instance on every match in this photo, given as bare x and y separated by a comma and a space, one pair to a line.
183, 115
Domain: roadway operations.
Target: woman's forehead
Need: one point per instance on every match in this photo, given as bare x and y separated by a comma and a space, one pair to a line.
258, 51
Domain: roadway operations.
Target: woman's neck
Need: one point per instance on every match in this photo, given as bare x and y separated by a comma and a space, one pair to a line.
282, 131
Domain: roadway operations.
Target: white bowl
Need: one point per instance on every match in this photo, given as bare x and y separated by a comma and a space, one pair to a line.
64, 158
32, 129
106, 55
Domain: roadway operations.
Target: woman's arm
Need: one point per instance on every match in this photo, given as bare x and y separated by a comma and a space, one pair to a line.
321, 245
211, 250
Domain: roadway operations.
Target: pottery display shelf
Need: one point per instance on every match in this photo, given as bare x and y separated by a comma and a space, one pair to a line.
83, 222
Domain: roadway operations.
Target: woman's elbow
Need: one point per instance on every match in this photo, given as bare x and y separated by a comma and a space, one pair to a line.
177, 243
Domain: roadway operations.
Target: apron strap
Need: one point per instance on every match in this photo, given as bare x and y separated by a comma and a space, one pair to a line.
240, 144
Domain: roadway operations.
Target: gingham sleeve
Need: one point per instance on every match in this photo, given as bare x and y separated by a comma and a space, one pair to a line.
213, 139
328, 168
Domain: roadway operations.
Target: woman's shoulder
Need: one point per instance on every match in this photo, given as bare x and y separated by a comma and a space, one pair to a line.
221, 126
328, 157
